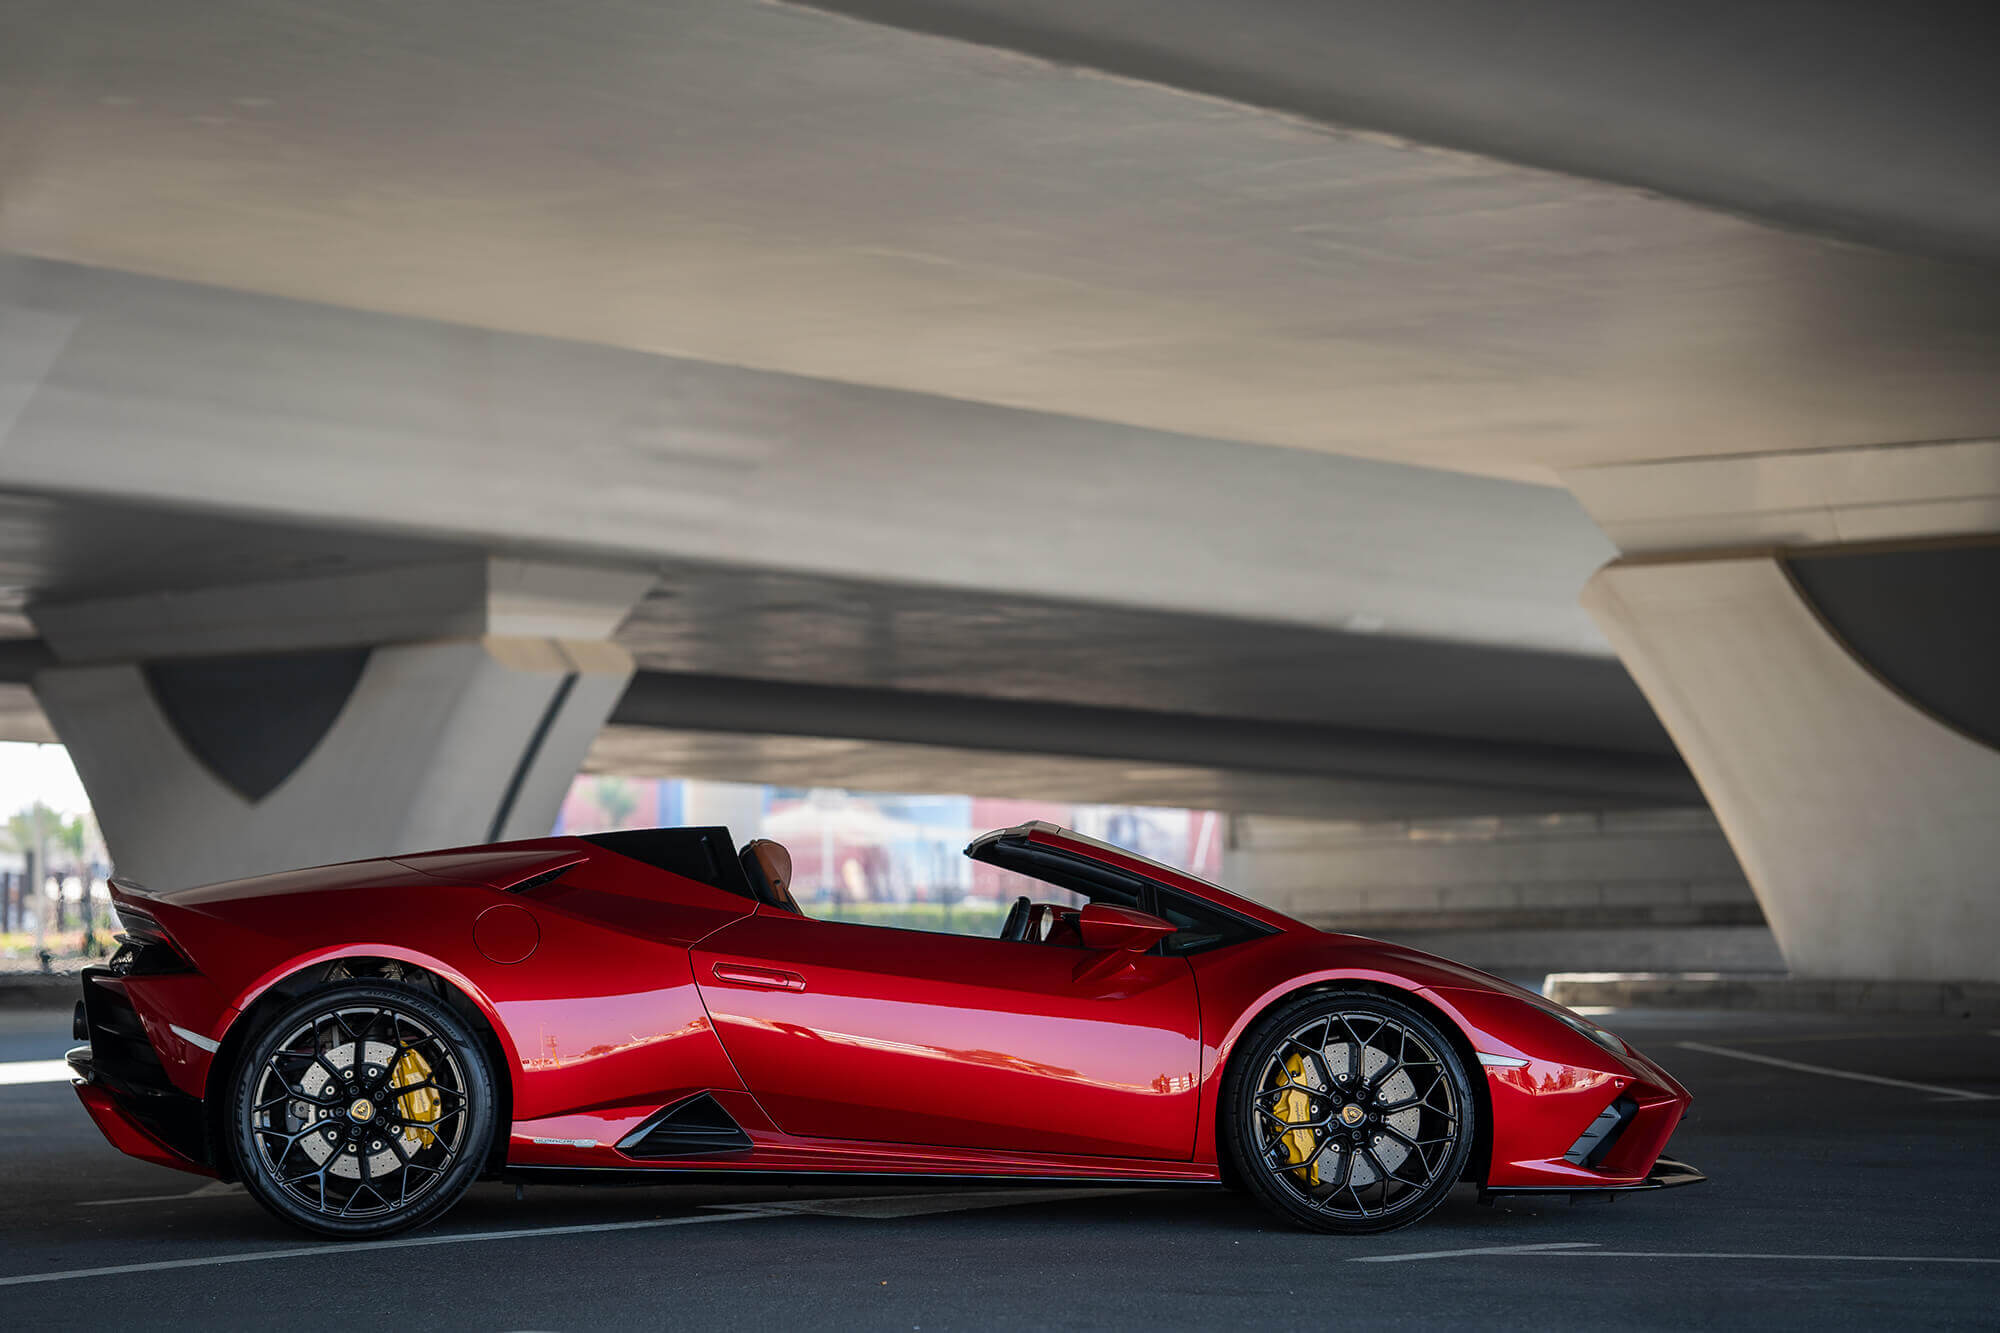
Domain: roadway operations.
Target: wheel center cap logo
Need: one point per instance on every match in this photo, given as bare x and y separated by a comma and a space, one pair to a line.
1351, 1114
363, 1109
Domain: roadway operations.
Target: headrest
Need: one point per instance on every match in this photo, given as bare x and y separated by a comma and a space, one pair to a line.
770, 862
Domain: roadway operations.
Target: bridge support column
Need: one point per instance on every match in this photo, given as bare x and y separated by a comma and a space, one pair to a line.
1832, 692
233, 731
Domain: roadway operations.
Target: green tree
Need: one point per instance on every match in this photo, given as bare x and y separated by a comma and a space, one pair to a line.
62, 836
62, 842
617, 800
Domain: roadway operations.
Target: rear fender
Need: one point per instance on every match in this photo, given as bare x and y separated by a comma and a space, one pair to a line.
272, 982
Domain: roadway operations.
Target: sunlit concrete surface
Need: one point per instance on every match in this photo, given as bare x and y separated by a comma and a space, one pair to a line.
971, 214
415, 440
1834, 1202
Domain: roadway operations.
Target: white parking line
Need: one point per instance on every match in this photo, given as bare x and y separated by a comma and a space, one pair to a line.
34, 1071
1589, 1250
212, 1190
1802, 1258
1795, 1038
1949, 1094
877, 1207
335, 1249
1456, 1254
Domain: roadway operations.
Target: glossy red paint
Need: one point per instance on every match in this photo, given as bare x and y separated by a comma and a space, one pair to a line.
840, 1047
128, 1135
506, 933
167, 1003
1119, 929
1539, 1109
903, 1036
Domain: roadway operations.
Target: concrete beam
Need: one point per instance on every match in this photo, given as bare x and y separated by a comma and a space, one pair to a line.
1514, 772
762, 185
465, 598
1796, 498
116, 389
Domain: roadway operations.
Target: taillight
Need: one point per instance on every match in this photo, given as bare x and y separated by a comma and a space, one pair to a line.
146, 947
140, 927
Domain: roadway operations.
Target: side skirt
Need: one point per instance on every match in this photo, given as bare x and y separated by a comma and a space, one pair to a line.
687, 1175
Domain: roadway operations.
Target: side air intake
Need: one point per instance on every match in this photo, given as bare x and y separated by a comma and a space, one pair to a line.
696, 1127
1596, 1141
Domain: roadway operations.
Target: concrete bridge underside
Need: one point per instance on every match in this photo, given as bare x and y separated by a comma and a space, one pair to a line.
1230, 405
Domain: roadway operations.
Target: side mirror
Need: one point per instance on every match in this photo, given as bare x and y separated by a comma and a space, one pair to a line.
1121, 928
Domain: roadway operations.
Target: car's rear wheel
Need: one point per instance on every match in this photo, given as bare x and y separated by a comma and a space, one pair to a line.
1347, 1111
363, 1109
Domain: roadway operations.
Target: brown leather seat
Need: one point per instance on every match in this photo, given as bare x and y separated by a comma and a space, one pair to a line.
769, 866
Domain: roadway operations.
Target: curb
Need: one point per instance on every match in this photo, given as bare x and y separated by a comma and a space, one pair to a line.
39, 990
1826, 995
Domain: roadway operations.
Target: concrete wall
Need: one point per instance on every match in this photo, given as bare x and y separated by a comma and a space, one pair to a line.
1603, 868
1518, 894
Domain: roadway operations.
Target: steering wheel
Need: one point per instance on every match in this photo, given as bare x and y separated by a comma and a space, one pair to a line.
1015, 927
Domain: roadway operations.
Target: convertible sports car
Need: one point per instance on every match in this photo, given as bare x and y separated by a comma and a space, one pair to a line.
358, 1043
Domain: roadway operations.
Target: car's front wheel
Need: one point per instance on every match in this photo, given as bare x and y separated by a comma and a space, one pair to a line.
1347, 1111
365, 1108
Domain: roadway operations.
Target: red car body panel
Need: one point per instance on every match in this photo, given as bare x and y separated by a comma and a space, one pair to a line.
615, 988
951, 1041
127, 1135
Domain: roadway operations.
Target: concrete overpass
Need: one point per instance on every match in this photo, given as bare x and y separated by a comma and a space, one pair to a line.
1210, 405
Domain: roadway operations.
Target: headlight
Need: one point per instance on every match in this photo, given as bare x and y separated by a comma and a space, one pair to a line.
1583, 1027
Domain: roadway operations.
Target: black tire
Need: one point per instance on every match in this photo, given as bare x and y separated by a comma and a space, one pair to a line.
1347, 1111
336, 1129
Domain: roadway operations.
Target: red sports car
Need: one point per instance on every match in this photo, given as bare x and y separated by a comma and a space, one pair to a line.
358, 1043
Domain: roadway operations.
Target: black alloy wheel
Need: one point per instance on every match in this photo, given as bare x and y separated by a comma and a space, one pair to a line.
1347, 1112
366, 1108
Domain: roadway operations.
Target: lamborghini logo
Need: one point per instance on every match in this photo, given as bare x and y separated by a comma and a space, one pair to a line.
1351, 1114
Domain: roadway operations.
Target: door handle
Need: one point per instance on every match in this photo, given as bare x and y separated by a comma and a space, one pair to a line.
771, 978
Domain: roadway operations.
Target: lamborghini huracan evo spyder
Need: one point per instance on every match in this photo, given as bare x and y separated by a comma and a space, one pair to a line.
358, 1043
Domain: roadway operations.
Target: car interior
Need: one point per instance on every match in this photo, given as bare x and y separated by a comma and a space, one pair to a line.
1198, 926
769, 868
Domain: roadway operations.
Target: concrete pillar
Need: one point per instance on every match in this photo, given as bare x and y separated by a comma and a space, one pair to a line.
1817, 631
231, 731
1869, 827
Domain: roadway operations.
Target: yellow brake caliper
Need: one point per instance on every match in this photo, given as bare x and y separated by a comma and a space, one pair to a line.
1294, 1107
421, 1106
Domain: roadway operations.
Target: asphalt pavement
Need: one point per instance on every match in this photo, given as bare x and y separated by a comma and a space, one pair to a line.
1854, 1185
